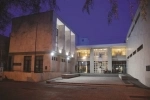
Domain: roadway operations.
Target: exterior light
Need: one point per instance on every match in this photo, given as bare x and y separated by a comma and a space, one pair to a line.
52, 53
71, 55
60, 51
68, 58
67, 53
84, 57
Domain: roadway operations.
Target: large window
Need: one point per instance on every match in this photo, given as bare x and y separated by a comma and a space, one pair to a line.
119, 52
38, 64
83, 53
27, 64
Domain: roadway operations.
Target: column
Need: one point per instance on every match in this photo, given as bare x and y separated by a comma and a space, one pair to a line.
58, 63
109, 54
91, 60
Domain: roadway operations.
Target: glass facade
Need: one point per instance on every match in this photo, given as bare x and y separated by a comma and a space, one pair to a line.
100, 61
118, 51
83, 53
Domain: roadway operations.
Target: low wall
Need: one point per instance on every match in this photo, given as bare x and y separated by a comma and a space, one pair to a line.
31, 77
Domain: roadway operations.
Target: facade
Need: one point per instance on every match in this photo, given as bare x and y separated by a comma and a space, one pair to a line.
138, 48
108, 58
41, 47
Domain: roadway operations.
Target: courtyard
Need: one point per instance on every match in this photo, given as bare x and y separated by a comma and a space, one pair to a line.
86, 88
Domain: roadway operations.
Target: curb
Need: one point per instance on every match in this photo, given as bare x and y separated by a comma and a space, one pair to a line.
87, 84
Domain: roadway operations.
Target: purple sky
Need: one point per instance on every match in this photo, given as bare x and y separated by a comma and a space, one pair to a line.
94, 26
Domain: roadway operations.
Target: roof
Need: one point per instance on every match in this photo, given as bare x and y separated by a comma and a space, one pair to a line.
102, 46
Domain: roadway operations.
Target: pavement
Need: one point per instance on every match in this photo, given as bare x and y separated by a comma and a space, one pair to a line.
10, 90
89, 80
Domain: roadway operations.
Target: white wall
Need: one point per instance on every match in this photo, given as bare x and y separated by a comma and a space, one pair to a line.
136, 65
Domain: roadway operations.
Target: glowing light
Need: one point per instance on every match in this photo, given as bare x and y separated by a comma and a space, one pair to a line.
84, 57
60, 51
68, 58
72, 56
52, 53
67, 53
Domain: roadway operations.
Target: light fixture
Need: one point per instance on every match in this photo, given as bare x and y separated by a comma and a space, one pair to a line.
68, 58
84, 57
72, 55
67, 53
52, 53
60, 51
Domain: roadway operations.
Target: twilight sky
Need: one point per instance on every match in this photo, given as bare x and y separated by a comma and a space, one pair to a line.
94, 26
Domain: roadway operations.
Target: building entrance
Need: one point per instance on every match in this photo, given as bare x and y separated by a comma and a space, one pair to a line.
119, 67
84, 66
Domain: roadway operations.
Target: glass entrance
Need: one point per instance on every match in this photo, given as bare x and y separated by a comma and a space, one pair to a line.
84, 66
119, 67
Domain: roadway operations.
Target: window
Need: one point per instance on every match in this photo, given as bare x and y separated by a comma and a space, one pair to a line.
56, 58
38, 68
140, 48
27, 64
130, 55
134, 52
137, 18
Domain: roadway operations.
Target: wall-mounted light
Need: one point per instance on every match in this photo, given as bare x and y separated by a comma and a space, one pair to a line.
68, 58
84, 57
52, 53
60, 51
67, 53
72, 55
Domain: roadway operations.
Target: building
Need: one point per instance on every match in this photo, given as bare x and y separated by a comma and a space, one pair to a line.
41, 47
4, 45
138, 48
107, 58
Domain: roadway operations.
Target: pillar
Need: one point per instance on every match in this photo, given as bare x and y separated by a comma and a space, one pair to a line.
109, 54
91, 60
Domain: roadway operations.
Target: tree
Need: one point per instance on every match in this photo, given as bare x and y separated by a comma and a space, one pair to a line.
34, 6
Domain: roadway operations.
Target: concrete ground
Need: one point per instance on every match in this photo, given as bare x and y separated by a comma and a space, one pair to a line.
42, 91
90, 80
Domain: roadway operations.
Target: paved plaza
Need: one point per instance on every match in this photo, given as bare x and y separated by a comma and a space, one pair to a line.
90, 80
10, 90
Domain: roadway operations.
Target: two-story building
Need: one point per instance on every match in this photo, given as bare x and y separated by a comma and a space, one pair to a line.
41, 47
